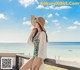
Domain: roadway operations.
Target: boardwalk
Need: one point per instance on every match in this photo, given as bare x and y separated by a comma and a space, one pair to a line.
18, 57
48, 61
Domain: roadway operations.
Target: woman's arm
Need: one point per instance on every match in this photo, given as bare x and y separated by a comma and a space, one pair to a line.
29, 41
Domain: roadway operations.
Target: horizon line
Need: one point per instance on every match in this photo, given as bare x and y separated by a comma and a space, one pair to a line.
26, 42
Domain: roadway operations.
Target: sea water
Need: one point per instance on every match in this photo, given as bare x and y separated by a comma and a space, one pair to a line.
54, 49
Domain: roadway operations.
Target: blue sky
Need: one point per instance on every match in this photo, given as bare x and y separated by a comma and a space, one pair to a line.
62, 22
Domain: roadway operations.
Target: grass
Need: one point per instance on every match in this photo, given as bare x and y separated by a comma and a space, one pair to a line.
49, 67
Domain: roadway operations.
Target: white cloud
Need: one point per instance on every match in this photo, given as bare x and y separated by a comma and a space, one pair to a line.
72, 27
57, 14
77, 22
53, 7
50, 15
65, 18
61, 7
46, 7
55, 21
40, 6
36, 1
46, 21
26, 3
26, 22
2, 16
75, 26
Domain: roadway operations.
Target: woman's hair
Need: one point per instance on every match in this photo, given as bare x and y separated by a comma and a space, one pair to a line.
41, 30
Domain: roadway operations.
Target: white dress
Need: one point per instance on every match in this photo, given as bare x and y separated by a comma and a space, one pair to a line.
42, 52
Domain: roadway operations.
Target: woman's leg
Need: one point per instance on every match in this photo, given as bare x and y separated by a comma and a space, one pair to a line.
36, 63
28, 64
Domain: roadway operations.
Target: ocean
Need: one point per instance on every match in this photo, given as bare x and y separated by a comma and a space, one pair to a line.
54, 49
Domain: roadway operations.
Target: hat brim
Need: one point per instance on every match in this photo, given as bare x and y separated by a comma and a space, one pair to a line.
33, 18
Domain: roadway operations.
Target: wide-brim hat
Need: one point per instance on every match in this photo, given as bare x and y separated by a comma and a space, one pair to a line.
33, 20
39, 20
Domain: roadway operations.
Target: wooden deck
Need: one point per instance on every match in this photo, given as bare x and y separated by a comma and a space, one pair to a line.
46, 61
18, 57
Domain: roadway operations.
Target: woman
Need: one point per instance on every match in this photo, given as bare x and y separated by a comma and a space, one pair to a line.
38, 39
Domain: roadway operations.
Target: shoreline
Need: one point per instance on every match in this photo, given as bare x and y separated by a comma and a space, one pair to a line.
66, 59
54, 57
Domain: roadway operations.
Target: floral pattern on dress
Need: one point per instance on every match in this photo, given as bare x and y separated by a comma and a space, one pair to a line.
36, 46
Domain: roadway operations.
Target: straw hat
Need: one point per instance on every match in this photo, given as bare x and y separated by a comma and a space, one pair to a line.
33, 20
39, 19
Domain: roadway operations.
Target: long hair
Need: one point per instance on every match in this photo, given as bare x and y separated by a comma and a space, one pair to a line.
41, 30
